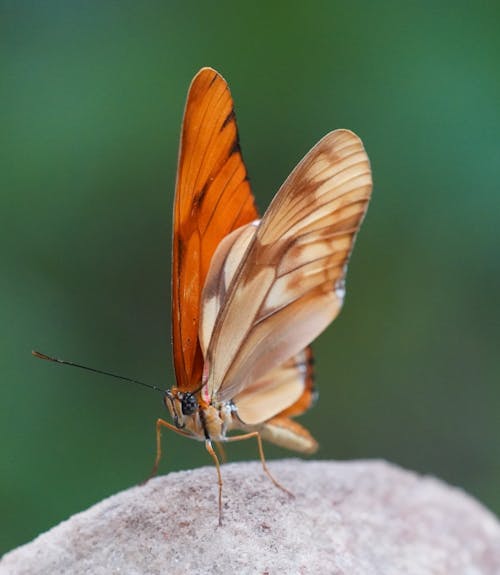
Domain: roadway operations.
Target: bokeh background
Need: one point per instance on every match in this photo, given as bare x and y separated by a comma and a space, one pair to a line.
92, 95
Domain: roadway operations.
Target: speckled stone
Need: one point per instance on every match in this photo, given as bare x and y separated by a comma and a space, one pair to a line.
352, 518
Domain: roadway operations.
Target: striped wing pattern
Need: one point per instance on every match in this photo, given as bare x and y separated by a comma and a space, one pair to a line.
213, 197
287, 284
288, 387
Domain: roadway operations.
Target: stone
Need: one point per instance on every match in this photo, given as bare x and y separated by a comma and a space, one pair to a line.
349, 518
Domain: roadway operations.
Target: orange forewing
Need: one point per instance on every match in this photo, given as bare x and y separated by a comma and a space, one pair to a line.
213, 197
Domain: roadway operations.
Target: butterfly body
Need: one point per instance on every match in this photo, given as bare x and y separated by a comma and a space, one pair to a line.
199, 420
213, 422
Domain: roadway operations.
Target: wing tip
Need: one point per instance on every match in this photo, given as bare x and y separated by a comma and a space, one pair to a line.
341, 136
209, 74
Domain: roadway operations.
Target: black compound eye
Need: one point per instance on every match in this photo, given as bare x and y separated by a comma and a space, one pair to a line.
189, 404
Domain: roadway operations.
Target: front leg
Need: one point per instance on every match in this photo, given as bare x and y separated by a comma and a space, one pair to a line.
159, 424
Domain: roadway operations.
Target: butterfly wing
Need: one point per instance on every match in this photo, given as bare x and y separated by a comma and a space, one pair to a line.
289, 284
291, 386
213, 197
303, 364
287, 388
286, 432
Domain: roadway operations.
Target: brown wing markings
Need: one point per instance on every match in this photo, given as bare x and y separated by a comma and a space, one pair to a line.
230, 129
190, 136
232, 144
204, 225
207, 130
229, 118
223, 267
306, 207
297, 196
222, 195
208, 108
338, 173
215, 75
273, 341
314, 271
338, 201
301, 183
208, 150
345, 227
236, 213
330, 271
258, 315
209, 164
243, 344
265, 395
322, 282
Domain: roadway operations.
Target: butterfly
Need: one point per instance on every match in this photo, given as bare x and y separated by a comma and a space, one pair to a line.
249, 295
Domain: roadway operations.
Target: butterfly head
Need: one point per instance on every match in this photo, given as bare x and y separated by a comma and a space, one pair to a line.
189, 403
181, 405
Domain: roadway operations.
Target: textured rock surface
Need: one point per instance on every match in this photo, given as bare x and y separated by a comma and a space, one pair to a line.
364, 517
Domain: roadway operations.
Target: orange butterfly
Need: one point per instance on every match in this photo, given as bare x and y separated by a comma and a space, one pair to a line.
249, 295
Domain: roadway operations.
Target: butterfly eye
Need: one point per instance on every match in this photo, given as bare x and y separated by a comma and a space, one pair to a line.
189, 404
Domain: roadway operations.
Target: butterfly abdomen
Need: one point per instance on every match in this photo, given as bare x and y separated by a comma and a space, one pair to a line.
216, 421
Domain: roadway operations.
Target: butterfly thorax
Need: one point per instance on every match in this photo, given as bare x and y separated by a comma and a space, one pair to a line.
199, 419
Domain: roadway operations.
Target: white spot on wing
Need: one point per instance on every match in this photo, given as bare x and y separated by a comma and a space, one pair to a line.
339, 289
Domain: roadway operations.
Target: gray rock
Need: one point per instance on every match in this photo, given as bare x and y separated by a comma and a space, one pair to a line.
353, 518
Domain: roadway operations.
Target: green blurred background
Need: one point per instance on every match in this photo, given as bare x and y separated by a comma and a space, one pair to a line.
92, 96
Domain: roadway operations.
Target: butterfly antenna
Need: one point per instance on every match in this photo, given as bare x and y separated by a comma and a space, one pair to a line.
73, 364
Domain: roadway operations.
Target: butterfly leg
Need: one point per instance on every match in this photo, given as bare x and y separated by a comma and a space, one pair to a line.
221, 452
159, 424
257, 436
213, 455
